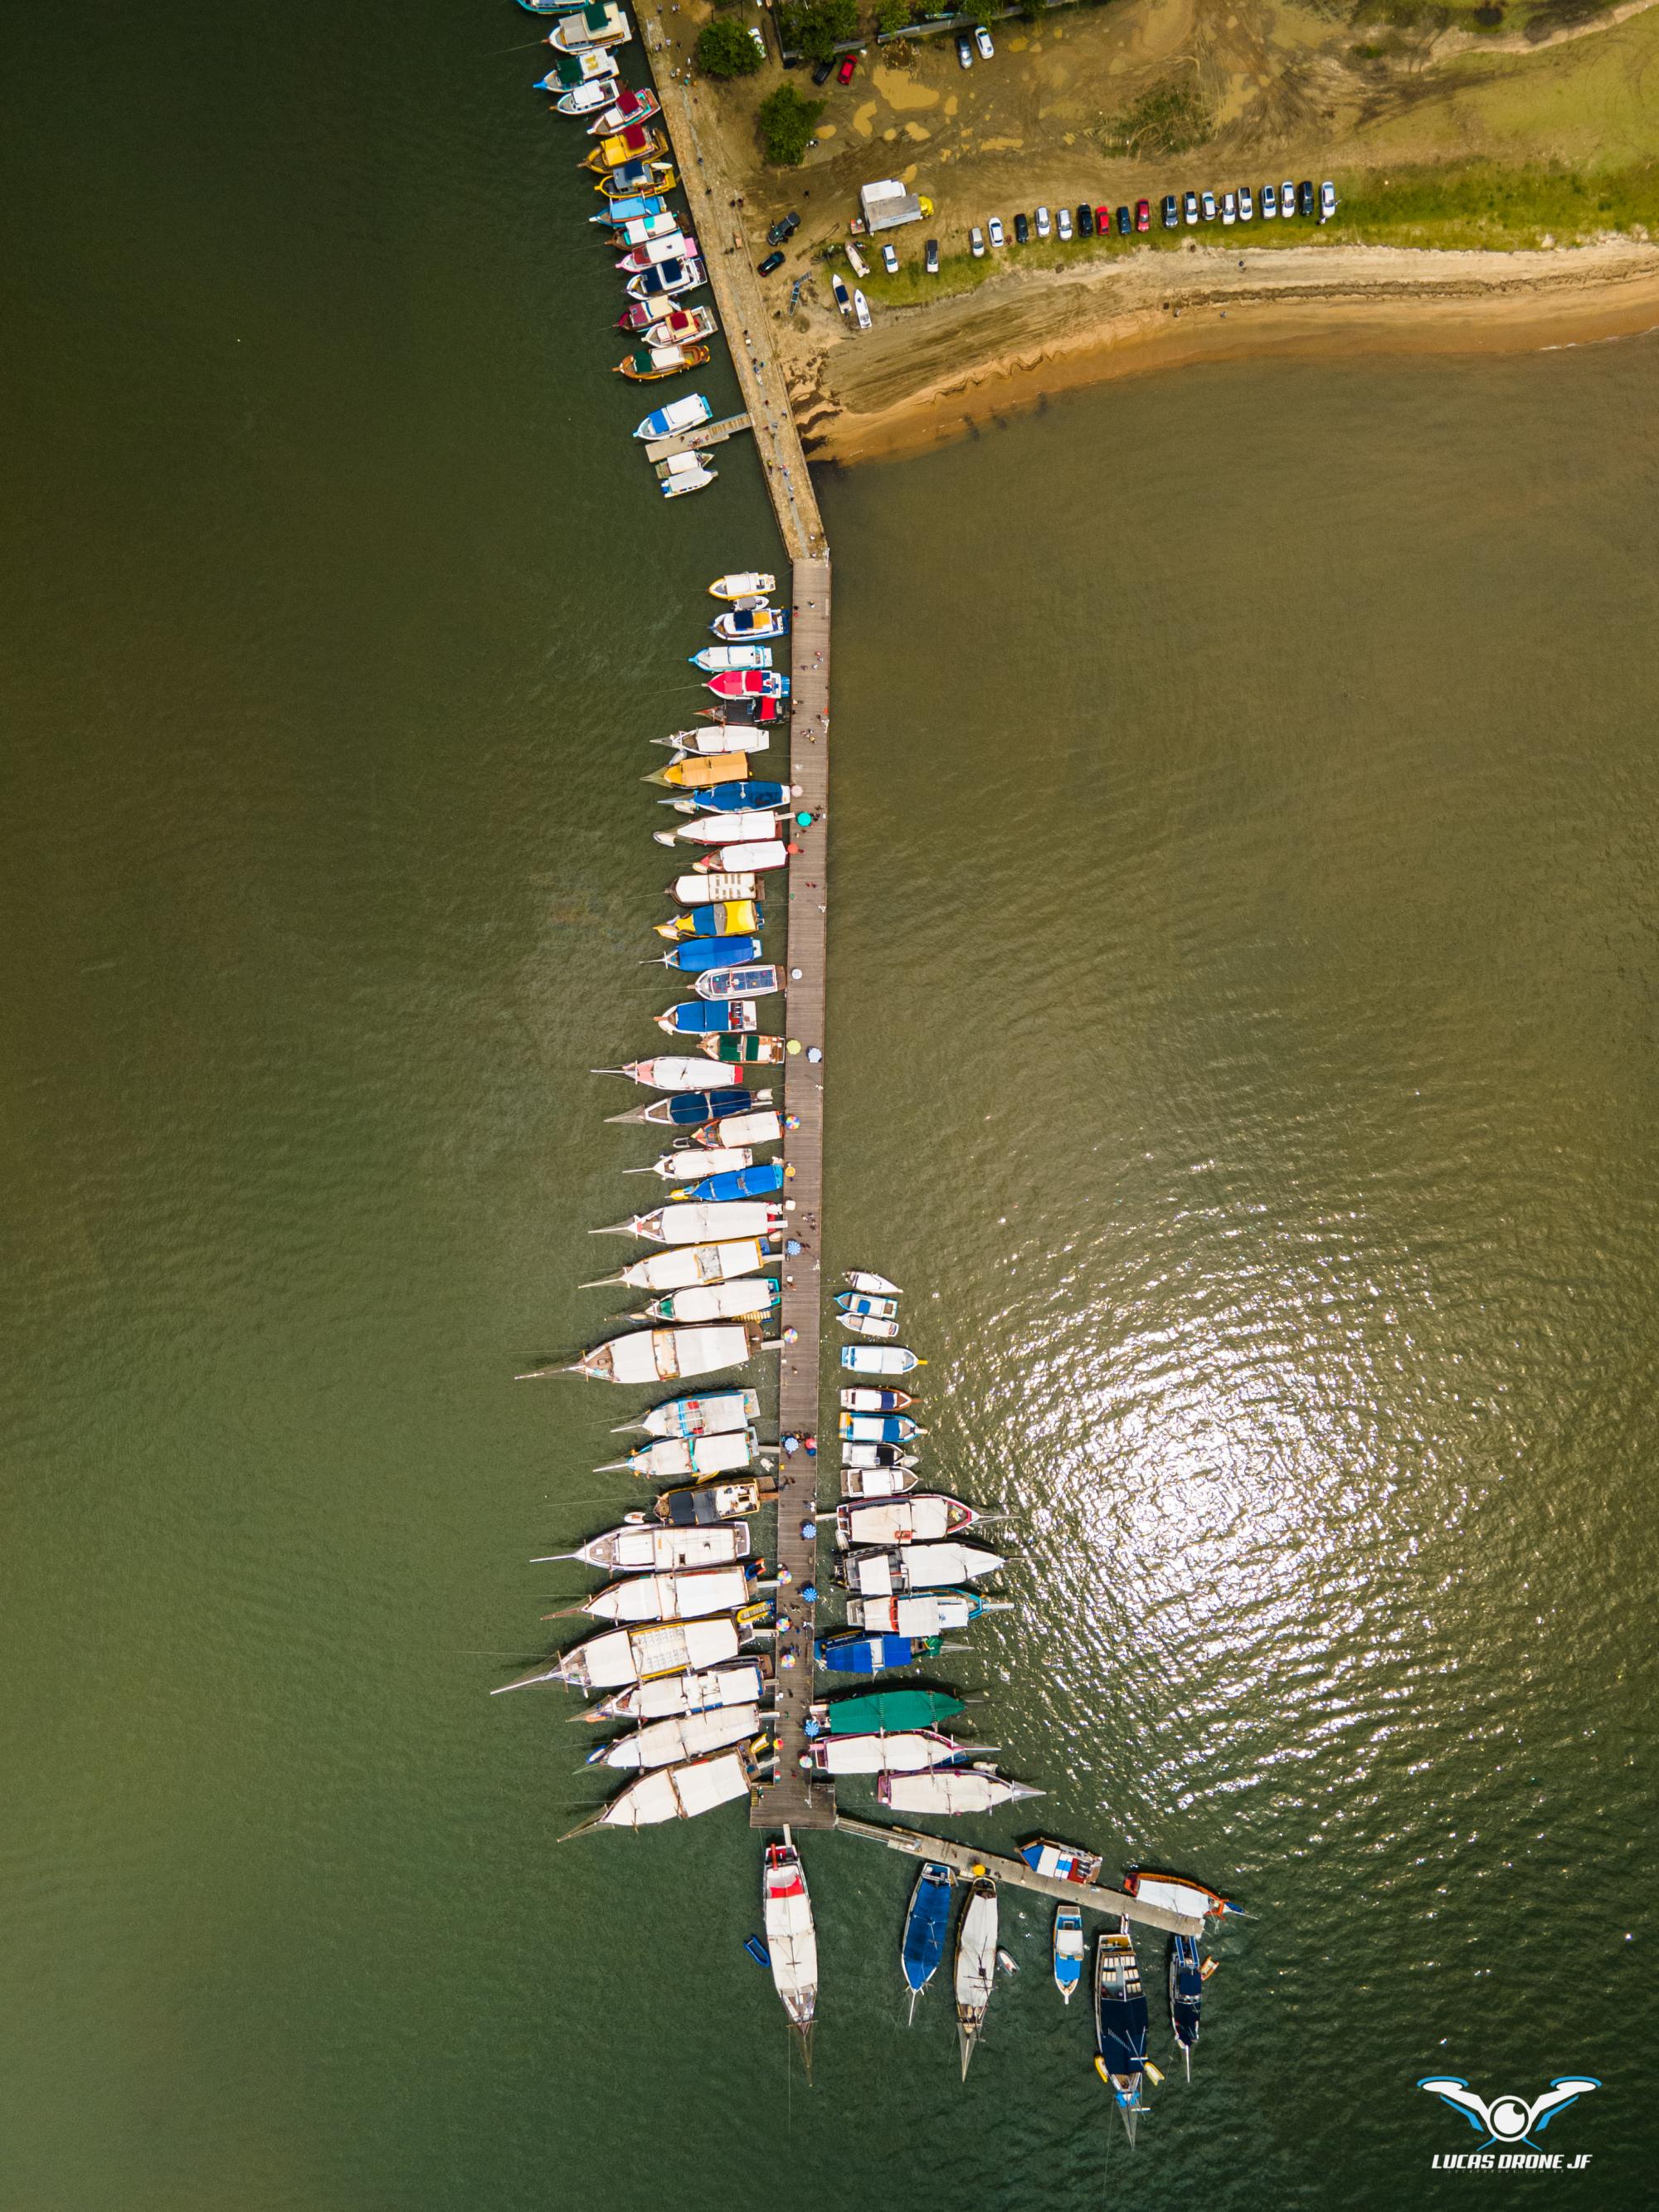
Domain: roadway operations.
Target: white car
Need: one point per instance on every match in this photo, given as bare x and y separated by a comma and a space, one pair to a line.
1246, 205
889, 258
976, 239
994, 227
1063, 224
1287, 199
1044, 227
1229, 208
983, 40
1327, 201
1269, 202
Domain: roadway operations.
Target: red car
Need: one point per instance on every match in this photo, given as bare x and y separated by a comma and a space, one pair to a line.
1102, 222
844, 74
1143, 214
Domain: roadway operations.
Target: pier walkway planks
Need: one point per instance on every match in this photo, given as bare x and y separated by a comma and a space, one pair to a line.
962, 1859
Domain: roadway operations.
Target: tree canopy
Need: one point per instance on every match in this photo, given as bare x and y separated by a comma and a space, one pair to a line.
726, 49
787, 124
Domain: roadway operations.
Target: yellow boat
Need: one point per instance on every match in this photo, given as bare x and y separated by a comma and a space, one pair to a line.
650, 364
640, 143
720, 918
663, 178
702, 770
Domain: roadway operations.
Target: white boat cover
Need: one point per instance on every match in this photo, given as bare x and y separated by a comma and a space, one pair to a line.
976, 1951
634, 1551
742, 584
879, 1358
1175, 1896
686, 1735
751, 1296
705, 890
857, 1481
667, 1355
923, 1517
726, 738
711, 1159
729, 830
709, 1415
950, 1789
918, 1567
743, 1682
757, 857
935, 1614
790, 1938
912, 1752
632, 1655
679, 1793
722, 1453
694, 1222
677, 1597
764, 1128
671, 1072
679, 1267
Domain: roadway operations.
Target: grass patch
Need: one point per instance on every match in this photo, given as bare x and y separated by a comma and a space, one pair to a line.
1171, 117
1479, 205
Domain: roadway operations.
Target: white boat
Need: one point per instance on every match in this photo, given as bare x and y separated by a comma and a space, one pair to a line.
925, 1517
690, 1594
859, 1399
585, 98
675, 1793
878, 1360
623, 1656
724, 830
898, 1569
742, 584
976, 1964
715, 1412
754, 623
950, 1790
876, 1481
694, 1222
862, 1302
678, 415
739, 1682
637, 1548
748, 1297
593, 66
844, 297
585, 29
1068, 1951
879, 1455
668, 1355
757, 856
765, 1127
717, 737
933, 1613
712, 659
683, 1265
646, 230
711, 1159
861, 309
871, 1287
911, 1751
686, 1735
790, 1939
666, 1072
666, 1459
861, 266
868, 1325
685, 472
713, 890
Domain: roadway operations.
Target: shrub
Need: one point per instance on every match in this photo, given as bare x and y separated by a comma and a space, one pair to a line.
726, 49
787, 124
892, 16
818, 27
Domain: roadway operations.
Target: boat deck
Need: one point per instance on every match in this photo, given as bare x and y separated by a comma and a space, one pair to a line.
962, 1859
694, 441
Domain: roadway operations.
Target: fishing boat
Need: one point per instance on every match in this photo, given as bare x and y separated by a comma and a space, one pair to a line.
760, 856
861, 309
592, 66
926, 1924
636, 179
682, 473
679, 1737
696, 953
639, 143
1178, 1892
650, 227
702, 771
604, 24
877, 1482
678, 415
897, 1569
753, 1297
667, 282
698, 889
676, 1793
860, 1302
951, 1791
874, 1655
976, 1963
746, 1051
760, 1180
629, 107
711, 658
583, 99
738, 1682
880, 1359
790, 1938
668, 1355
750, 624
746, 794
1061, 1861
725, 1452
861, 1325
856, 1400
869, 1459
637, 1549
741, 711
738, 982
716, 737
878, 1428
1119, 2021
1068, 1951
929, 1613
698, 1018
697, 1223
745, 828
681, 1595
651, 364
923, 1517
749, 683
742, 584
683, 1265
691, 1110
615, 212
907, 1751
694, 1160
882, 1711
766, 1127
620, 1656
656, 253
700, 1504
716, 1412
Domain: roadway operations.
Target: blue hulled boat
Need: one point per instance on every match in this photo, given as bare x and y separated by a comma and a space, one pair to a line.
735, 1183
695, 1017
1120, 2022
927, 1924
874, 1655
698, 954
738, 797
1185, 1994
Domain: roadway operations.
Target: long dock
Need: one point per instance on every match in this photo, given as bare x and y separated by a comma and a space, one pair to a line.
1088, 1896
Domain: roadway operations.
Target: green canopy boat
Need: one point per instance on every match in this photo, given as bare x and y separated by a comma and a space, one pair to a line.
889, 1712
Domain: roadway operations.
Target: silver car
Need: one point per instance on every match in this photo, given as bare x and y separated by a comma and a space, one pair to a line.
1246, 205
1063, 224
1287, 199
1044, 227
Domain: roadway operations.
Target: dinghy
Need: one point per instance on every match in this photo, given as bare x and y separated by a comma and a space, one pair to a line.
676, 1793
752, 1297
702, 1019
696, 955
754, 827
1068, 1951
724, 1453
790, 1938
878, 1428
716, 918
703, 1504
636, 1549
693, 1109
624, 1656
880, 1359
861, 1325
874, 1655
858, 1400
932, 1613
688, 1595
749, 683
694, 1224
759, 982
876, 1287
951, 1791
683, 1265
739, 1682
713, 658
926, 1924
668, 1355
1119, 2021
923, 1517
884, 1712
898, 1569
878, 1481
715, 1412
908, 1752
1061, 1861
706, 890
678, 415
744, 584
855, 1302
681, 1736
977, 1960
753, 1181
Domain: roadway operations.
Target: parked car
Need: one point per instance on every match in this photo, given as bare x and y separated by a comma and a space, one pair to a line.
1171, 211
1125, 222
1085, 220
1208, 203
890, 257
848, 64
1287, 199
1063, 225
994, 231
983, 40
976, 239
1190, 207
1143, 214
1229, 208
1102, 220
1327, 201
756, 33
1269, 202
772, 261
964, 51
930, 258
1043, 226
825, 69
1246, 205
1022, 231
1304, 197
783, 229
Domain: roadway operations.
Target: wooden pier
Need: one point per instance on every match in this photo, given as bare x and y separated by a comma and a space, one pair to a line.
694, 441
961, 1859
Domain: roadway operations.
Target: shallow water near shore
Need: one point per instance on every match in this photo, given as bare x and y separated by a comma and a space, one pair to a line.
1242, 1045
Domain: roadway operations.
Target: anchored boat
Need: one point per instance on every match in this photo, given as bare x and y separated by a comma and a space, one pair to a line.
1119, 2021
890, 1479
704, 887
739, 1682
759, 1180
681, 1736
715, 1413
1068, 1950
1061, 1861
883, 1711
744, 584
878, 1428
712, 658
926, 1924
692, 1110
690, 1594
856, 1400
676, 1793
951, 1791
766, 1127
623, 1656
874, 1655
900, 1569
683, 1265
678, 415
661, 1074
725, 1452
857, 1302
759, 982
584, 99
650, 364
931, 1613
639, 143
976, 1964
687, 1161
630, 108
592, 66
668, 1355
667, 284
923, 1517
657, 254
638, 1549
908, 1750
754, 1296
748, 624
695, 954
861, 1325
746, 1051
750, 793
678, 326
757, 857
701, 1504
748, 826
880, 1359
790, 1938
749, 683
695, 1224
601, 26
702, 771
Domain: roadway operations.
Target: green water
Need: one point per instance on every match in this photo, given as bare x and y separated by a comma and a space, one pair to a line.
1241, 1050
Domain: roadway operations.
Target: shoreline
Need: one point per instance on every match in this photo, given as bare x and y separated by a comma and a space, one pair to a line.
932, 374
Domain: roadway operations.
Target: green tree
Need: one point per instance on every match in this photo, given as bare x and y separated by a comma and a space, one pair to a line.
787, 124
726, 49
825, 25
892, 16
982, 11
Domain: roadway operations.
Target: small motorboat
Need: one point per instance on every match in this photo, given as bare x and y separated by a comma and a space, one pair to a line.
750, 1296
679, 1166
790, 1937
711, 658
678, 415
696, 1224
617, 212
1061, 1861
622, 1657
570, 72
629, 108
1068, 1951
926, 1924
657, 252
871, 1287
680, 1266
924, 1517
701, 1504
951, 1791
643, 229
697, 890
860, 1302
760, 1180
681, 1736
738, 983
888, 1570
844, 297
877, 1482
745, 794
668, 1355
585, 98
759, 856
739, 1682
861, 1325
680, 326
745, 828
749, 683
693, 1018
667, 282
682, 473
875, 1401
715, 1413
908, 1750
726, 1451
867, 1458
750, 624
861, 266
676, 1793
1119, 2021
879, 1428
932, 1612
651, 364
744, 584
637, 143
688, 1594
602, 25
976, 1956
874, 1655
691, 1110
880, 1359
746, 1051
636, 181
636, 1549
861, 309
883, 1711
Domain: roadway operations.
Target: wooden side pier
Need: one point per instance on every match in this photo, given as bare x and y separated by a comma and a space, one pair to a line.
961, 1859
694, 441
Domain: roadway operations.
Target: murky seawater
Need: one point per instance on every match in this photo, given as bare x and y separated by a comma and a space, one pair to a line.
1242, 1045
